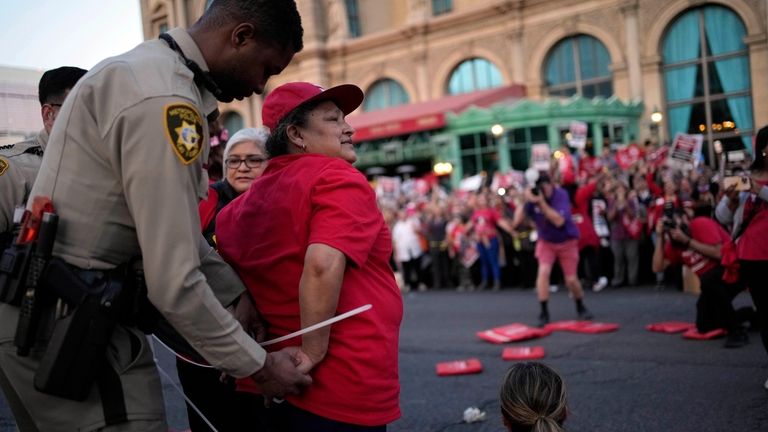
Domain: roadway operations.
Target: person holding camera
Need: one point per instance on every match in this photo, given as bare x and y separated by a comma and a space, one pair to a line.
747, 213
550, 208
693, 238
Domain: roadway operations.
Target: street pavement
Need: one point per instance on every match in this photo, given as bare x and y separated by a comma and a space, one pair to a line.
631, 380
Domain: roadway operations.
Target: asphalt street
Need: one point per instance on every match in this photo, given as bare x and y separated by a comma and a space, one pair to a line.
631, 380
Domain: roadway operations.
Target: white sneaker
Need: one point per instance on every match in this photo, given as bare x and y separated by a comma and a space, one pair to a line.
553, 288
601, 284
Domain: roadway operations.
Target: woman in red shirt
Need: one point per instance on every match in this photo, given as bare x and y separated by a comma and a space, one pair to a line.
309, 242
747, 212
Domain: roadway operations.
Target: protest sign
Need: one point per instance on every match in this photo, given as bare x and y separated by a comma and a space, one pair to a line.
540, 156
578, 137
685, 150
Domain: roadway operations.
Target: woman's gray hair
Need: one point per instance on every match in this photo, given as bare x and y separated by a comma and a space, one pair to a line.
257, 135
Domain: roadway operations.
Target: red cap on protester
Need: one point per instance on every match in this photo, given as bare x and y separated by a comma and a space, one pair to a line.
284, 99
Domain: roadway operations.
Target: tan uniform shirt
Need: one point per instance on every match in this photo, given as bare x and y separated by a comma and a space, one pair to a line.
124, 169
19, 164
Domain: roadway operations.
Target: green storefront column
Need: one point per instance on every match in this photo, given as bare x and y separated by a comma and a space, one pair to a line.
554, 136
502, 147
597, 138
455, 159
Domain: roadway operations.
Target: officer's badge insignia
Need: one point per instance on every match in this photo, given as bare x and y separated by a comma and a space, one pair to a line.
3, 166
184, 129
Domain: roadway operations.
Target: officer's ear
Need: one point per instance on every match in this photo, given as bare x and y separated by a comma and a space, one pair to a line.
242, 33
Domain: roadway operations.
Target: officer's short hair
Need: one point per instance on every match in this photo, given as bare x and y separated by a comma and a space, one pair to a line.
55, 82
275, 21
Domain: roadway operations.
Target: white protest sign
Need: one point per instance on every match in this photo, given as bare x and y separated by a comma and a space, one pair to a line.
685, 151
578, 137
540, 156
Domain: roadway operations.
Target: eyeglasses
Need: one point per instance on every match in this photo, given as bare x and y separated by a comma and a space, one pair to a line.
250, 162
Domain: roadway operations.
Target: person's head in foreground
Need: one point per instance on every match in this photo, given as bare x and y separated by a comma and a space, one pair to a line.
245, 157
305, 118
533, 399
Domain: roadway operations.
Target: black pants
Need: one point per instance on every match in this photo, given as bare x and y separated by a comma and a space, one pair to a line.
411, 273
212, 397
753, 274
714, 309
440, 268
284, 417
590, 263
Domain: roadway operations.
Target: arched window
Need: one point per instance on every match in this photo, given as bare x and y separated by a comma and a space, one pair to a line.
474, 74
706, 77
384, 93
578, 65
232, 122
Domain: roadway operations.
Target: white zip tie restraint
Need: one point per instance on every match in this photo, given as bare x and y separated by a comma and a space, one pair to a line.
311, 328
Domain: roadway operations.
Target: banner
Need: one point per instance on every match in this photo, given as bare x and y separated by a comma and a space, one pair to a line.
540, 156
628, 155
578, 131
473, 183
685, 151
388, 187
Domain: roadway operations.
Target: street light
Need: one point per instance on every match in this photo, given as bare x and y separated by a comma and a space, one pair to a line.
497, 130
656, 118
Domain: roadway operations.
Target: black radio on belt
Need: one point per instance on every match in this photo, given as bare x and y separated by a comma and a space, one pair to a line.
14, 261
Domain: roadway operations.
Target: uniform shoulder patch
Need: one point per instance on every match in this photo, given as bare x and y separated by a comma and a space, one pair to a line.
184, 130
3, 166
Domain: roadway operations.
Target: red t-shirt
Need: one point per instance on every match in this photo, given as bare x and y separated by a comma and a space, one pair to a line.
484, 222
264, 234
581, 217
753, 244
704, 230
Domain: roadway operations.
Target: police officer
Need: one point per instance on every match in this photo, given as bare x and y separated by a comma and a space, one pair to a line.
124, 169
20, 162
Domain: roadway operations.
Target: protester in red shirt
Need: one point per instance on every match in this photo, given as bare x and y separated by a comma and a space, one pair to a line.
698, 242
309, 242
748, 213
589, 242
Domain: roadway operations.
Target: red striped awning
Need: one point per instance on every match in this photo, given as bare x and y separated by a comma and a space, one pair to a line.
422, 116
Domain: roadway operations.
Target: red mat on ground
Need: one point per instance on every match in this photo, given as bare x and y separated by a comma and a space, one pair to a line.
459, 367
670, 326
694, 334
596, 327
564, 325
522, 353
582, 327
512, 333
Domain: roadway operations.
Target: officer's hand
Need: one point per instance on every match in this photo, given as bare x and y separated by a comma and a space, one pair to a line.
280, 375
249, 317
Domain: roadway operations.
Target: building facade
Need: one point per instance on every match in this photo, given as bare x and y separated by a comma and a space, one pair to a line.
610, 63
19, 104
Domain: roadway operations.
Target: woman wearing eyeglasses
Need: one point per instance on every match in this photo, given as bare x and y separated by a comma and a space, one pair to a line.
245, 158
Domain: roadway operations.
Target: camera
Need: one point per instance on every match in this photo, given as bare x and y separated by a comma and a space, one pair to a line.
669, 216
535, 190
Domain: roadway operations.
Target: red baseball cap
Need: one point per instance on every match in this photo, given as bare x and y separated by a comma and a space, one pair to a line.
284, 99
